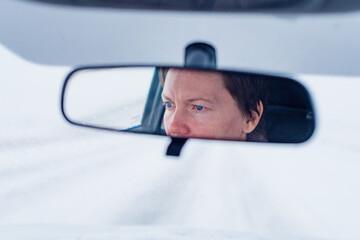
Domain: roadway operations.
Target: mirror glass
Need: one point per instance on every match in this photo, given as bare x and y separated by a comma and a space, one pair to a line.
189, 103
110, 98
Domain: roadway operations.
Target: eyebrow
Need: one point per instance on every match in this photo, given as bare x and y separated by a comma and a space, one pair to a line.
164, 96
191, 99
200, 99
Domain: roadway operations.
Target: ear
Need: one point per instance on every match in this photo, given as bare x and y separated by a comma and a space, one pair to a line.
253, 121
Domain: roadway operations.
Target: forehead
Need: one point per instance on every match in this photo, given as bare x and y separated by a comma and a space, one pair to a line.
193, 82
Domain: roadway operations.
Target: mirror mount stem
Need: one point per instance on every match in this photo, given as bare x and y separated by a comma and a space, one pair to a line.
174, 148
197, 55
200, 55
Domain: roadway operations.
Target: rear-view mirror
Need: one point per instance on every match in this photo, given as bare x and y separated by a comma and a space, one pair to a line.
189, 103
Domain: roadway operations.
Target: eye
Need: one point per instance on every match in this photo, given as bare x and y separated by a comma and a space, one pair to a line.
199, 107
168, 104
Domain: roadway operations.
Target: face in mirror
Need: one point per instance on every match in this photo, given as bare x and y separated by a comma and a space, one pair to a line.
189, 103
213, 105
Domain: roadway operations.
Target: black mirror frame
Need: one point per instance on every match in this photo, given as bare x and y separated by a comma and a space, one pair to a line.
156, 131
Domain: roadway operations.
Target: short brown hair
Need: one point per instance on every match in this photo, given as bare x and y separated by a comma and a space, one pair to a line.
247, 90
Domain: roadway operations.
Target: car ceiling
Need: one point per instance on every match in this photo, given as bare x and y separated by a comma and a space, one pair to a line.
269, 43
290, 6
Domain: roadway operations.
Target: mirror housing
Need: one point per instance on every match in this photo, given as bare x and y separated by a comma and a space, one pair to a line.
128, 99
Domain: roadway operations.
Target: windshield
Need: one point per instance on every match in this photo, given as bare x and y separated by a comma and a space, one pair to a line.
63, 181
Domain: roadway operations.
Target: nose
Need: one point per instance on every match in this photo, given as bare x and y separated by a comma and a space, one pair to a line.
178, 126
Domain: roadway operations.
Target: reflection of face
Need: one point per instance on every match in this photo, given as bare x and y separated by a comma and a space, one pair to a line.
198, 105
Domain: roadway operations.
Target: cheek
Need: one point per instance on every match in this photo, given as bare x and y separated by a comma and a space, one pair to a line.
206, 125
228, 125
235, 126
216, 126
